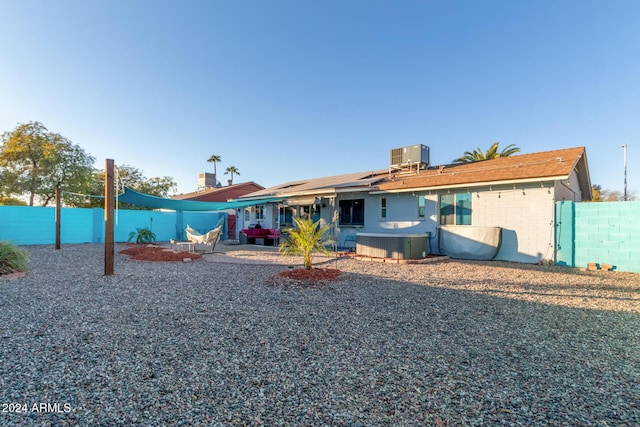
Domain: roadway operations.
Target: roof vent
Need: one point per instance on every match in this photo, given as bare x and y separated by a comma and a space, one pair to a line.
409, 157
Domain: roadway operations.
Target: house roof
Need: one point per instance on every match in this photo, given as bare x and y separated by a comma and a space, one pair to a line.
330, 184
221, 194
535, 167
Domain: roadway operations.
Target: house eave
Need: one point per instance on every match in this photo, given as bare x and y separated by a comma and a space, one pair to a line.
292, 195
473, 185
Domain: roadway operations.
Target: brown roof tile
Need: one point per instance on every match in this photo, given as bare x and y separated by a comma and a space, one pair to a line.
221, 194
544, 166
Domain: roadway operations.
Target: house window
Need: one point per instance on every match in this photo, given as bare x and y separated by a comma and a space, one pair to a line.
455, 209
420, 206
383, 207
352, 212
247, 215
259, 212
286, 216
311, 212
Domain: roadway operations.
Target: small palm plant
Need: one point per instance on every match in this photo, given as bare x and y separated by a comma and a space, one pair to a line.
142, 235
12, 258
305, 239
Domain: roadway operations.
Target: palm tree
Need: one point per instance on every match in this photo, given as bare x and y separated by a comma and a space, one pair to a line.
492, 153
232, 170
214, 159
305, 239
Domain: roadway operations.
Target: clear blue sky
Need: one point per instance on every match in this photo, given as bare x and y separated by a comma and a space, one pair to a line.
287, 90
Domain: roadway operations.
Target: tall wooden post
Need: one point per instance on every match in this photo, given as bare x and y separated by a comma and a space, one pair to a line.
58, 210
108, 217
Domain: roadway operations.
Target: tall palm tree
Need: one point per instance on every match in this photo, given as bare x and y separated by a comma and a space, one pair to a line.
214, 159
232, 170
305, 239
492, 153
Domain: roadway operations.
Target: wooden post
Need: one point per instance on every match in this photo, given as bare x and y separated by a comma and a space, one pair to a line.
58, 210
108, 217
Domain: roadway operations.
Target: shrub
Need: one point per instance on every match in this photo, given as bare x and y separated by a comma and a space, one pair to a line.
12, 258
142, 235
308, 237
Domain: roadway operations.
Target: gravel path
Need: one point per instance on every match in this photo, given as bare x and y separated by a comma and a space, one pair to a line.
220, 342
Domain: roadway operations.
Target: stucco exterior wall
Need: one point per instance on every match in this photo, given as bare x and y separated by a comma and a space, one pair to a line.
526, 217
525, 214
402, 215
269, 220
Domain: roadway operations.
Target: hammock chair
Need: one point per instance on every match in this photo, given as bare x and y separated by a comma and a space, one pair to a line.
208, 239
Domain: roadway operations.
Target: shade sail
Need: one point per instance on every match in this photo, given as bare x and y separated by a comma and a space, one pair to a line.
140, 199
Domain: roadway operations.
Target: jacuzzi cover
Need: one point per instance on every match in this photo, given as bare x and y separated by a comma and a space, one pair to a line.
470, 242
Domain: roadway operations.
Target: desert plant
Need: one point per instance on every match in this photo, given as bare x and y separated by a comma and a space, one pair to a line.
306, 238
142, 235
12, 258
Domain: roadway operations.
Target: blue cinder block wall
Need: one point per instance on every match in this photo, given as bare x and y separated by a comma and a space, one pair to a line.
27, 225
604, 232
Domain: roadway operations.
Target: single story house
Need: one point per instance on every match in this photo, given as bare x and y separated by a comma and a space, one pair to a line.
494, 209
212, 193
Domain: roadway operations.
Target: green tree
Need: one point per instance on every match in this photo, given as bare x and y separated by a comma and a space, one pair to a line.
596, 193
35, 161
232, 170
11, 201
305, 239
492, 153
599, 194
126, 176
214, 159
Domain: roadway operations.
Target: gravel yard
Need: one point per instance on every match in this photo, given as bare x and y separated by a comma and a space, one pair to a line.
222, 341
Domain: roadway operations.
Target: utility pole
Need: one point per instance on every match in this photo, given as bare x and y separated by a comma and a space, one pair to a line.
624, 148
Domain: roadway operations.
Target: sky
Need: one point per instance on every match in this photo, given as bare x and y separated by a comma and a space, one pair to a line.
290, 90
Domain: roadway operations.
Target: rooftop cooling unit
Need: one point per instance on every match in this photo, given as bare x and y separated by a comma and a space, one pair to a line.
409, 156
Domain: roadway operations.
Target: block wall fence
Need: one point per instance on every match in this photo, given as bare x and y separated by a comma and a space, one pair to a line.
607, 232
30, 225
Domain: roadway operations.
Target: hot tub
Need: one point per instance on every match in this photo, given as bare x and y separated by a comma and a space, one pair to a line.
393, 245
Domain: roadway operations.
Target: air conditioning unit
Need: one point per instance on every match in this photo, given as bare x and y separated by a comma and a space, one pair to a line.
409, 156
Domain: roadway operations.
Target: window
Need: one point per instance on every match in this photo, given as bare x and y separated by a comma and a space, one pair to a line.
455, 209
309, 212
247, 215
286, 216
420, 206
383, 207
259, 212
351, 212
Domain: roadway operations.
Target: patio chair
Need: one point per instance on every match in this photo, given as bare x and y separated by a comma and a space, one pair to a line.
208, 239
